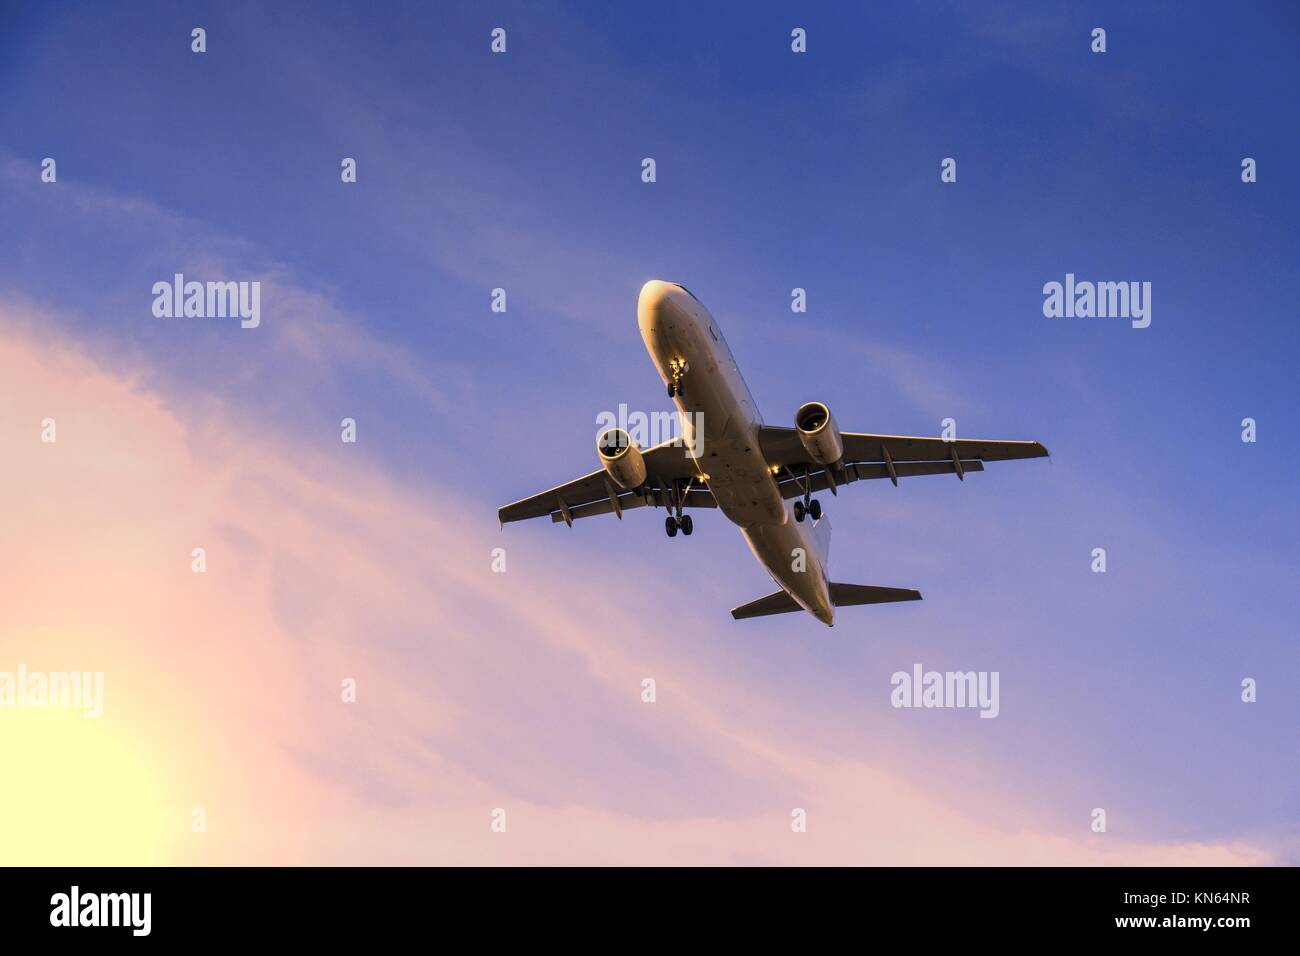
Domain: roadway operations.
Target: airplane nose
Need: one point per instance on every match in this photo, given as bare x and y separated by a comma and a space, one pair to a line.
655, 295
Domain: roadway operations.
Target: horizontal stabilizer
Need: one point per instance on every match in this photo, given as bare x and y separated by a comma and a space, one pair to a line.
843, 595
778, 603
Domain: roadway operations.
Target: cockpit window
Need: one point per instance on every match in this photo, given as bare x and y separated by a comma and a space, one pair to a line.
686, 290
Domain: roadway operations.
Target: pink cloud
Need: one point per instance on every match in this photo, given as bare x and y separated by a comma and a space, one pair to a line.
476, 690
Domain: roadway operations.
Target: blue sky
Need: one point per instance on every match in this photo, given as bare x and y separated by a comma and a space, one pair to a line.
774, 171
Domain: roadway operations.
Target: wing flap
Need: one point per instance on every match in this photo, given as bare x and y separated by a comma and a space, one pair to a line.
695, 498
861, 447
790, 488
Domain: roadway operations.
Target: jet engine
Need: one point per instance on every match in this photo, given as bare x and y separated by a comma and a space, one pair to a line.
819, 433
621, 458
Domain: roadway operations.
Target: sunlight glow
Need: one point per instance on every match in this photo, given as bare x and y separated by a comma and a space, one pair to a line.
75, 792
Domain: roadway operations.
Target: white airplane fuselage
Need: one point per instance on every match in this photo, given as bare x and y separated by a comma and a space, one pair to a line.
679, 331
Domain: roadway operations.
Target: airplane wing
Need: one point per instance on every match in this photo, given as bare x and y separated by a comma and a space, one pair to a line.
669, 471
883, 456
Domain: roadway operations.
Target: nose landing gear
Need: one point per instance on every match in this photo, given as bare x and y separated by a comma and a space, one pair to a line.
677, 370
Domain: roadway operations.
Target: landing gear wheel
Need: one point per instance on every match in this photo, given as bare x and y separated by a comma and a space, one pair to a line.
670, 525
815, 509
686, 523
798, 511
672, 389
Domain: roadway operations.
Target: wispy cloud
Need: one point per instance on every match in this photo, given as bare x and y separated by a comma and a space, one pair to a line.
475, 690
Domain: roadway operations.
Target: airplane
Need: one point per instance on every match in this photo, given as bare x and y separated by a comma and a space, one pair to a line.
746, 469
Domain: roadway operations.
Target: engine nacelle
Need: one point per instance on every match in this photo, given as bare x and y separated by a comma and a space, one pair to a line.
819, 433
621, 458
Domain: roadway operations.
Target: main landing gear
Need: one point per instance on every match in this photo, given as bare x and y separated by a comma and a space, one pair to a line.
677, 370
813, 507
676, 521
809, 505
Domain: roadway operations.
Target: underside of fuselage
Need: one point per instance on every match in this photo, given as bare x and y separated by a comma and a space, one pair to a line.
693, 359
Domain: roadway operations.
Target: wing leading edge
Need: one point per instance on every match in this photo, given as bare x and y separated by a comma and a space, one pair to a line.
670, 471
883, 456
